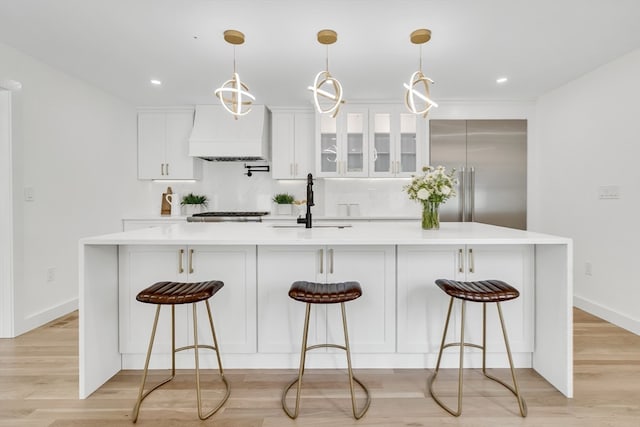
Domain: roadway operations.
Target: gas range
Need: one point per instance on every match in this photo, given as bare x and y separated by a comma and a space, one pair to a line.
225, 216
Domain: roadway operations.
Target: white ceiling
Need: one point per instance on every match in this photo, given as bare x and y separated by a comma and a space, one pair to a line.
119, 45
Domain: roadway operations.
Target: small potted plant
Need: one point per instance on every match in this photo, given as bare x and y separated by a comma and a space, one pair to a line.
193, 203
283, 203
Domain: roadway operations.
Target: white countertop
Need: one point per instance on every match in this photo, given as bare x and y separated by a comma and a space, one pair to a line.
360, 233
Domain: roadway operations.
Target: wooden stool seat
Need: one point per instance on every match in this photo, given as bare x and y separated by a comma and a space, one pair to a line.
325, 293
481, 291
178, 292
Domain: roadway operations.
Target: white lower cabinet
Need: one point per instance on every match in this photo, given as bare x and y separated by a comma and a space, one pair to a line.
422, 306
370, 318
233, 307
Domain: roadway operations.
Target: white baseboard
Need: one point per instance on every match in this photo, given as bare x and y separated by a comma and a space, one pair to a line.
607, 314
38, 319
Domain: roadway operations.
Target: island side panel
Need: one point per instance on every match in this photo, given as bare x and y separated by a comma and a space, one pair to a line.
99, 358
553, 352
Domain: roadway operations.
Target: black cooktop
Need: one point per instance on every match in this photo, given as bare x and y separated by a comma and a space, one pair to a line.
231, 213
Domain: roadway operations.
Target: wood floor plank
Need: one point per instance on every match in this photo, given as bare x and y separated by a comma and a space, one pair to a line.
39, 386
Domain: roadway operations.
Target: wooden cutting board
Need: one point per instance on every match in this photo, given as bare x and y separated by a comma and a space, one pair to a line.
165, 207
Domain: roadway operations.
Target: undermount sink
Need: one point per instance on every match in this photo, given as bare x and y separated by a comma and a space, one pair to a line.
314, 226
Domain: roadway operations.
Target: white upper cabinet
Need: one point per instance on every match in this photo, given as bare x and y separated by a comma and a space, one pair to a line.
342, 143
381, 141
292, 138
398, 140
163, 145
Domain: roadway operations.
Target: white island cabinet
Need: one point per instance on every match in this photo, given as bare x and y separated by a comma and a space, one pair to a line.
397, 323
142, 265
422, 306
371, 318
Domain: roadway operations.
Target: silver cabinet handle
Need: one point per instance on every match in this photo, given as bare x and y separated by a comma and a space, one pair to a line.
331, 261
462, 195
180, 257
472, 263
295, 169
191, 261
321, 261
472, 193
167, 169
162, 169
460, 261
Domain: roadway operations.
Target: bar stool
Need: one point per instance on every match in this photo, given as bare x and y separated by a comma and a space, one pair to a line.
325, 293
172, 293
486, 291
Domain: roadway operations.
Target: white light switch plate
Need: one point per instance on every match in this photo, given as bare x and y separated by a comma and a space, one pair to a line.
29, 194
609, 192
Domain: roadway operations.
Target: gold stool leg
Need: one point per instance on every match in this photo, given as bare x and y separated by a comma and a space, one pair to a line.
515, 390
303, 352
196, 348
357, 415
460, 344
141, 395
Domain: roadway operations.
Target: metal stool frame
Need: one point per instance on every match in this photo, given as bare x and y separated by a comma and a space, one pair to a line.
142, 395
513, 389
357, 414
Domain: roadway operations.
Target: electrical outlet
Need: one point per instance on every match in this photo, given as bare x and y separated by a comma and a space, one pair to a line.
51, 274
587, 269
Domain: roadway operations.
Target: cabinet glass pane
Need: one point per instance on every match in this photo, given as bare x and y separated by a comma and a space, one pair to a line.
328, 144
355, 142
408, 155
382, 143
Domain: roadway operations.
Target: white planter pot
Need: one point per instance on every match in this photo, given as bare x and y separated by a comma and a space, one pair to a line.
192, 209
283, 209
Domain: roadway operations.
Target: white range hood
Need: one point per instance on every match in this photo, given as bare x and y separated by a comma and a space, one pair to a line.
217, 135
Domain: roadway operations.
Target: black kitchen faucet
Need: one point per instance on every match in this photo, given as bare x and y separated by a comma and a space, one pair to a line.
307, 218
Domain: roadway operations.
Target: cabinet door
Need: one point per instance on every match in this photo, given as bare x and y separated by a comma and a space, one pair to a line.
407, 145
140, 267
283, 143
370, 318
353, 138
304, 129
233, 307
281, 319
514, 265
422, 306
151, 146
327, 156
177, 130
383, 138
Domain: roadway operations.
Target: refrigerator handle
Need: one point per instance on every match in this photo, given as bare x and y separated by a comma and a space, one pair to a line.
472, 193
462, 194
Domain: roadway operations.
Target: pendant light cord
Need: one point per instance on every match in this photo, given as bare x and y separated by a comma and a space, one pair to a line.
327, 57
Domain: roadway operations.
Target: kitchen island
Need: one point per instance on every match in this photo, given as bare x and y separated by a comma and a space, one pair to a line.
396, 324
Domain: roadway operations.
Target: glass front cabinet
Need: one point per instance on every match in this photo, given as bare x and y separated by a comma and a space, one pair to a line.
397, 141
343, 143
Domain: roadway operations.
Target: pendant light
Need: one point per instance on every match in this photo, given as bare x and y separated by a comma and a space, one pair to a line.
327, 91
418, 80
234, 95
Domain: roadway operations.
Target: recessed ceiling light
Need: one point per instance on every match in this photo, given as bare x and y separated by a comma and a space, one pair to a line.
156, 82
501, 80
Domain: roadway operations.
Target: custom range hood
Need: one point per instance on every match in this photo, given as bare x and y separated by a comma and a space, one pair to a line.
218, 136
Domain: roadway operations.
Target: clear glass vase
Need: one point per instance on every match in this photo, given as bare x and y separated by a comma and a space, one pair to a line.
430, 216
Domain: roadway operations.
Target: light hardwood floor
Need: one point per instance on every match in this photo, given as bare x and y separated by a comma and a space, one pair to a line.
39, 386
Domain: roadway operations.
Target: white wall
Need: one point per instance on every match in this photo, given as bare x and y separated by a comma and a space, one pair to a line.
589, 137
76, 147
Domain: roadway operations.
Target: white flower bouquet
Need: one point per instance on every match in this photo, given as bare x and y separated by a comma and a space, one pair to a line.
433, 187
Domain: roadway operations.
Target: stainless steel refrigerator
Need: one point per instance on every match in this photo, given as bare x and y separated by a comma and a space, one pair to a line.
490, 158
